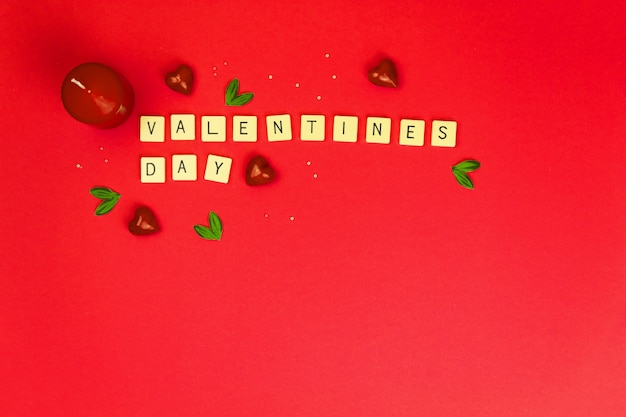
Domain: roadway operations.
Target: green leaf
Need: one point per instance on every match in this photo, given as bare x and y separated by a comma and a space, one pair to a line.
242, 99
216, 224
468, 165
212, 233
109, 199
463, 179
233, 98
232, 90
107, 205
206, 233
103, 193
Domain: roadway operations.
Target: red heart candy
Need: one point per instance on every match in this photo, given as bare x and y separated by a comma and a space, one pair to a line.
180, 80
384, 74
259, 172
144, 222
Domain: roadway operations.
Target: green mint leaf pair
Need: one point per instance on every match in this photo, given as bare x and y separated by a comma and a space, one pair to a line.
233, 98
109, 199
214, 232
461, 169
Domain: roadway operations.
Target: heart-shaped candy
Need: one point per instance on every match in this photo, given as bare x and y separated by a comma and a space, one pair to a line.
180, 80
259, 172
384, 74
144, 222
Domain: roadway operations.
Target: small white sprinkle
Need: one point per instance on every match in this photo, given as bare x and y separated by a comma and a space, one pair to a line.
270, 76
79, 166
319, 97
297, 85
308, 163
225, 63
101, 148
215, 74
334, 77
327, 55
292, 218
214, 68
106, 160
314, 175
266, 215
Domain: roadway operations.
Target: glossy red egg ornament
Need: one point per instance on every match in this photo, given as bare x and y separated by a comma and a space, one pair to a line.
94, 94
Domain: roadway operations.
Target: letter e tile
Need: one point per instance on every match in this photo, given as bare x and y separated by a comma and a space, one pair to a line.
412, 132
244, 129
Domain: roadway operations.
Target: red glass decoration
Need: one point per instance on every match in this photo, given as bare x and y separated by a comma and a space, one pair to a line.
93, 93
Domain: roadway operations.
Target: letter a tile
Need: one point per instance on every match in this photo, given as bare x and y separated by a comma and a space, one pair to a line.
183, 126
184, 167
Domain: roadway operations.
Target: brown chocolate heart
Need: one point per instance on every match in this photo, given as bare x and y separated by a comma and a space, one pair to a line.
144, 222
259, 172
180, 80
384, 74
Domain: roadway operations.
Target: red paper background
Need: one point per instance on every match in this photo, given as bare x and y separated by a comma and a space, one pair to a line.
394, 291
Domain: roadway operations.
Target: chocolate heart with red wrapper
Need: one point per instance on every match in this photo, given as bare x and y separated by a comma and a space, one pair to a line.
384, 74
144, 222
259, 172
180, 80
